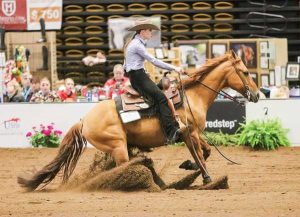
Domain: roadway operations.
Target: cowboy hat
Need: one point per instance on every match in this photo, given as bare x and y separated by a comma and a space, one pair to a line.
143, 24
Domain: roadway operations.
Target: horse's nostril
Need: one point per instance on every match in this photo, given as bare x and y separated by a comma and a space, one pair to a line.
257, 95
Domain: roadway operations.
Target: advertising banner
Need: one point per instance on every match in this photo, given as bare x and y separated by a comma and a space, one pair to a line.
225, 116
16, 120
13, 14
50, 10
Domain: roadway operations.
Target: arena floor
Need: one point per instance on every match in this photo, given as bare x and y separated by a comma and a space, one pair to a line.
266, 184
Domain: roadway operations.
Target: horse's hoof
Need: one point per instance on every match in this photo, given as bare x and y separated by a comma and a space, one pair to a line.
206, 180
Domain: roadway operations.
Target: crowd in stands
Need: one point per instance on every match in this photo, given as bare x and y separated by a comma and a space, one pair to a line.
21, 86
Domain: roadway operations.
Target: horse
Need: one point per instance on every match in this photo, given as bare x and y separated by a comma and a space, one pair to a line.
102, 126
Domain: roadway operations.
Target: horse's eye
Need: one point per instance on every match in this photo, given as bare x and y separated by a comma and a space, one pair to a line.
246, 73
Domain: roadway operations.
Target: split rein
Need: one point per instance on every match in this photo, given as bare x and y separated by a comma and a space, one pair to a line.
198, 127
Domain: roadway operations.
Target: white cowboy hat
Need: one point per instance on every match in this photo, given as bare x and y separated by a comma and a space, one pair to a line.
143, 24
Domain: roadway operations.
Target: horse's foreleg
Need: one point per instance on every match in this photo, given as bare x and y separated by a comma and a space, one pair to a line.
205, 147
193, 143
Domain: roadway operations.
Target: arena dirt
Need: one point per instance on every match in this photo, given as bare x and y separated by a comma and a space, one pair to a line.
266, 184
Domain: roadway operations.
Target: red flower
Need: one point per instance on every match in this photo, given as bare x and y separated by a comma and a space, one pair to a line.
57, 132
46, 132
28, 134
50, 127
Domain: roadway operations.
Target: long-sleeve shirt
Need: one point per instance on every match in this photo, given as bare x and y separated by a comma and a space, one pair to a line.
136, 54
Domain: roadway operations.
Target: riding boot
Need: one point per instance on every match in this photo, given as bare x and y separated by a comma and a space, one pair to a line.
182, 126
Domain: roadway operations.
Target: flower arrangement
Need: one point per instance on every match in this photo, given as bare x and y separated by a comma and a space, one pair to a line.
45, 136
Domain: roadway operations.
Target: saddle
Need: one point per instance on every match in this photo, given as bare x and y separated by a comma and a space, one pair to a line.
133, 101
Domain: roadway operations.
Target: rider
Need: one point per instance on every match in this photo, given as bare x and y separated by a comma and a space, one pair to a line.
135, 55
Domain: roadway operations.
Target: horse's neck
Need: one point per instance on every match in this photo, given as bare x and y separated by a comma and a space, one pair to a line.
215, 80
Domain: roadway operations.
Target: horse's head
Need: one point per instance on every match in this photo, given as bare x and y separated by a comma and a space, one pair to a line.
240, 79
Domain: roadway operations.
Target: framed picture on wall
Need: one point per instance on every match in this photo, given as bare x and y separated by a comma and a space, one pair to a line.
159, 54
292, 71
272, 77
265, 81
247, 51
218, 49
264, 54
193, 53
283, 75
254, 77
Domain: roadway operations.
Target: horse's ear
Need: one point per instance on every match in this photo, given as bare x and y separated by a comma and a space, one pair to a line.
233, 54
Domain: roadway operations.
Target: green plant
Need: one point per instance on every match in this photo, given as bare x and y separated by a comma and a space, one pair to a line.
263, 134
221, 138
45, 136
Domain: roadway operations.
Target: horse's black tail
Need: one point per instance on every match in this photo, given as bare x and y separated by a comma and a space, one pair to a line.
70, 150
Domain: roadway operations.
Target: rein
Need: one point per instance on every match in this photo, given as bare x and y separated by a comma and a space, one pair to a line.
201, 131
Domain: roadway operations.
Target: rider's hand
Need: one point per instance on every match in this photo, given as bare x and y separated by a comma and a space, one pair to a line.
179, 70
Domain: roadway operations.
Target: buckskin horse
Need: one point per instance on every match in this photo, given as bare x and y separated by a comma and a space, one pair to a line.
103, 128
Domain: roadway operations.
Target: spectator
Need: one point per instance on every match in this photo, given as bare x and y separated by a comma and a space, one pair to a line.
27, 89
68, 93
45, 94
90, 61
14, 93
116, 84
35, 86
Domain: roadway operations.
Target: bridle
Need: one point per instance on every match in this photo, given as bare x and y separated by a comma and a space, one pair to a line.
243, 79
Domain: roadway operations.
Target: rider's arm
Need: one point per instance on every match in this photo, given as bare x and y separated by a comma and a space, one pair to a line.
143, 52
